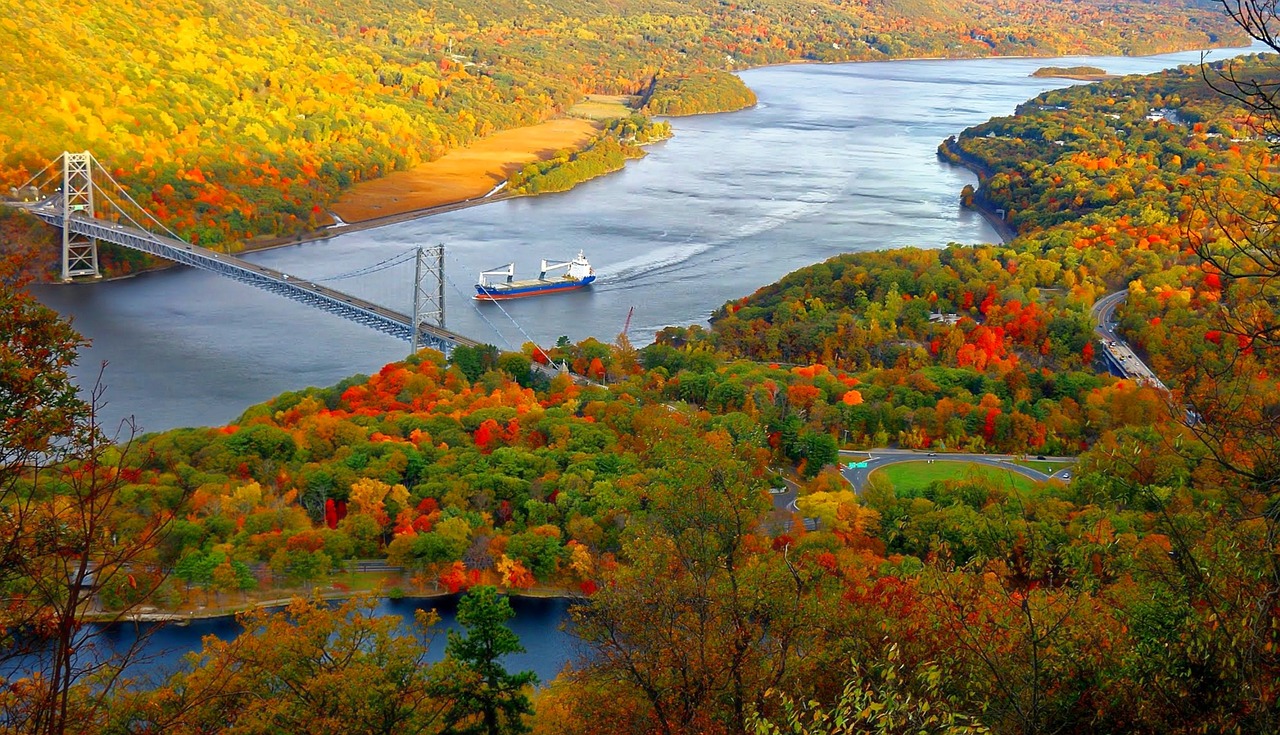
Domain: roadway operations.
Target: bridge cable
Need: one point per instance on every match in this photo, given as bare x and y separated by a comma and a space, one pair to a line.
482, 316
41, 172
122, 190
379, 266
106, 195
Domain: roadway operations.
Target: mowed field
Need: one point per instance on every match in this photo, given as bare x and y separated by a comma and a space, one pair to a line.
462, 174
909, 477
604, 106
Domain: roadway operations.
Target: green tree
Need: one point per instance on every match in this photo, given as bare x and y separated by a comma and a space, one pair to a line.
820, 450
474, 361
879, 702
485, 698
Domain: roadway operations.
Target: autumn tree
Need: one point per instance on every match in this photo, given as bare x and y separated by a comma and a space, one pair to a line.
705, 616
312, 668
70, 539
1237, 239
39, 412
1227, 569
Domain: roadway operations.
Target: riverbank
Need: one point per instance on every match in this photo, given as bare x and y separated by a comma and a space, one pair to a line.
148, 614
951, 152
464, 174
998, 223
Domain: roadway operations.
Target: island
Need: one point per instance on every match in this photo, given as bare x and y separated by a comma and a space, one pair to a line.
1086, 73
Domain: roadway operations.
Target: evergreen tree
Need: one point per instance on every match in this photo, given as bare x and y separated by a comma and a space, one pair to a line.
487, 700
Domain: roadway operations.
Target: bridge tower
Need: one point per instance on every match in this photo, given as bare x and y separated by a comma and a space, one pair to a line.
79, 252
426, 304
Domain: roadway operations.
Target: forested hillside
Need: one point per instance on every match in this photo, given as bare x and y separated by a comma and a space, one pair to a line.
1110, 186
241, 118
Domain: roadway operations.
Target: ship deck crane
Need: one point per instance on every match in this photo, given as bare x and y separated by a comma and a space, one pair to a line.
509, 270
627, 324
549, 266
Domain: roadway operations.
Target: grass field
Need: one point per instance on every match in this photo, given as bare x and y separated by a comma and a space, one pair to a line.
914, 476
368, 581
462, 174
603, 106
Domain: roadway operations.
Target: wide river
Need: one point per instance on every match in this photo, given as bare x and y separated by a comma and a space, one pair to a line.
833, 159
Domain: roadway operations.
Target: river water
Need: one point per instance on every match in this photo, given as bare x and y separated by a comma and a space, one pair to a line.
833, 159
540, 623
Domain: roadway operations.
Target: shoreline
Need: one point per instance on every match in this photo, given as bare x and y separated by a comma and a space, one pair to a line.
795, 62
1077, 77
373, 223
180, 618
1003, 229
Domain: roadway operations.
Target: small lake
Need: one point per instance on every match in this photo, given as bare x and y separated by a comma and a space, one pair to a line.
541, 624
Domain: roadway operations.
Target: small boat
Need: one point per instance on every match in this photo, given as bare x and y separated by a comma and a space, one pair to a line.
578, 273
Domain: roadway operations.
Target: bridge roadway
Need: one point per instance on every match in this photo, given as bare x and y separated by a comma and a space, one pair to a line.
306, 292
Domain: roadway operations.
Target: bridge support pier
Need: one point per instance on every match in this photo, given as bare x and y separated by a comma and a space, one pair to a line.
427, 305
79, 252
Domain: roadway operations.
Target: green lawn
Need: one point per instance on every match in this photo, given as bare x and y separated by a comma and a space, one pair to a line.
914, 476
1044, 466
367, 581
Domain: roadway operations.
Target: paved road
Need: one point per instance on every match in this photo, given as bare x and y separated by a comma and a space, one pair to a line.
784, 493
877, 458
1122, 356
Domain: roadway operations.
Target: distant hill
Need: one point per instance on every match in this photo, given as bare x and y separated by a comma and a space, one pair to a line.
246, 117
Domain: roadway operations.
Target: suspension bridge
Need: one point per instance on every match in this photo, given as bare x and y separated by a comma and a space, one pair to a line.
78, 195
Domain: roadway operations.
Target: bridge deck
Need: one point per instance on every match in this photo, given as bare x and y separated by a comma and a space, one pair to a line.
303, 291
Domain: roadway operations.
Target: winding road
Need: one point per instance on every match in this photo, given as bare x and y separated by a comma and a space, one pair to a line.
1119, 355
877, 458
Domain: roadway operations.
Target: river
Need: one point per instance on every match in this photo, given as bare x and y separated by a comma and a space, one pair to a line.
834, 158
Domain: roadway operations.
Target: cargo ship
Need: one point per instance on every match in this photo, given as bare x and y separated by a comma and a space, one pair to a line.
578, 273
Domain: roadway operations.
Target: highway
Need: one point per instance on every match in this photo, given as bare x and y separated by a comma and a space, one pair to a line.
1119, 355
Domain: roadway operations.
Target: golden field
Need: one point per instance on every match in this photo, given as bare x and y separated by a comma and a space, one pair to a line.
462, 174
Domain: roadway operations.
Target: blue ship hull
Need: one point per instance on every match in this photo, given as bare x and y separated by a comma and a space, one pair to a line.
521, 289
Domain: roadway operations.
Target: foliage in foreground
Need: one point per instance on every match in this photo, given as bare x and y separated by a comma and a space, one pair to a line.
320, 668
